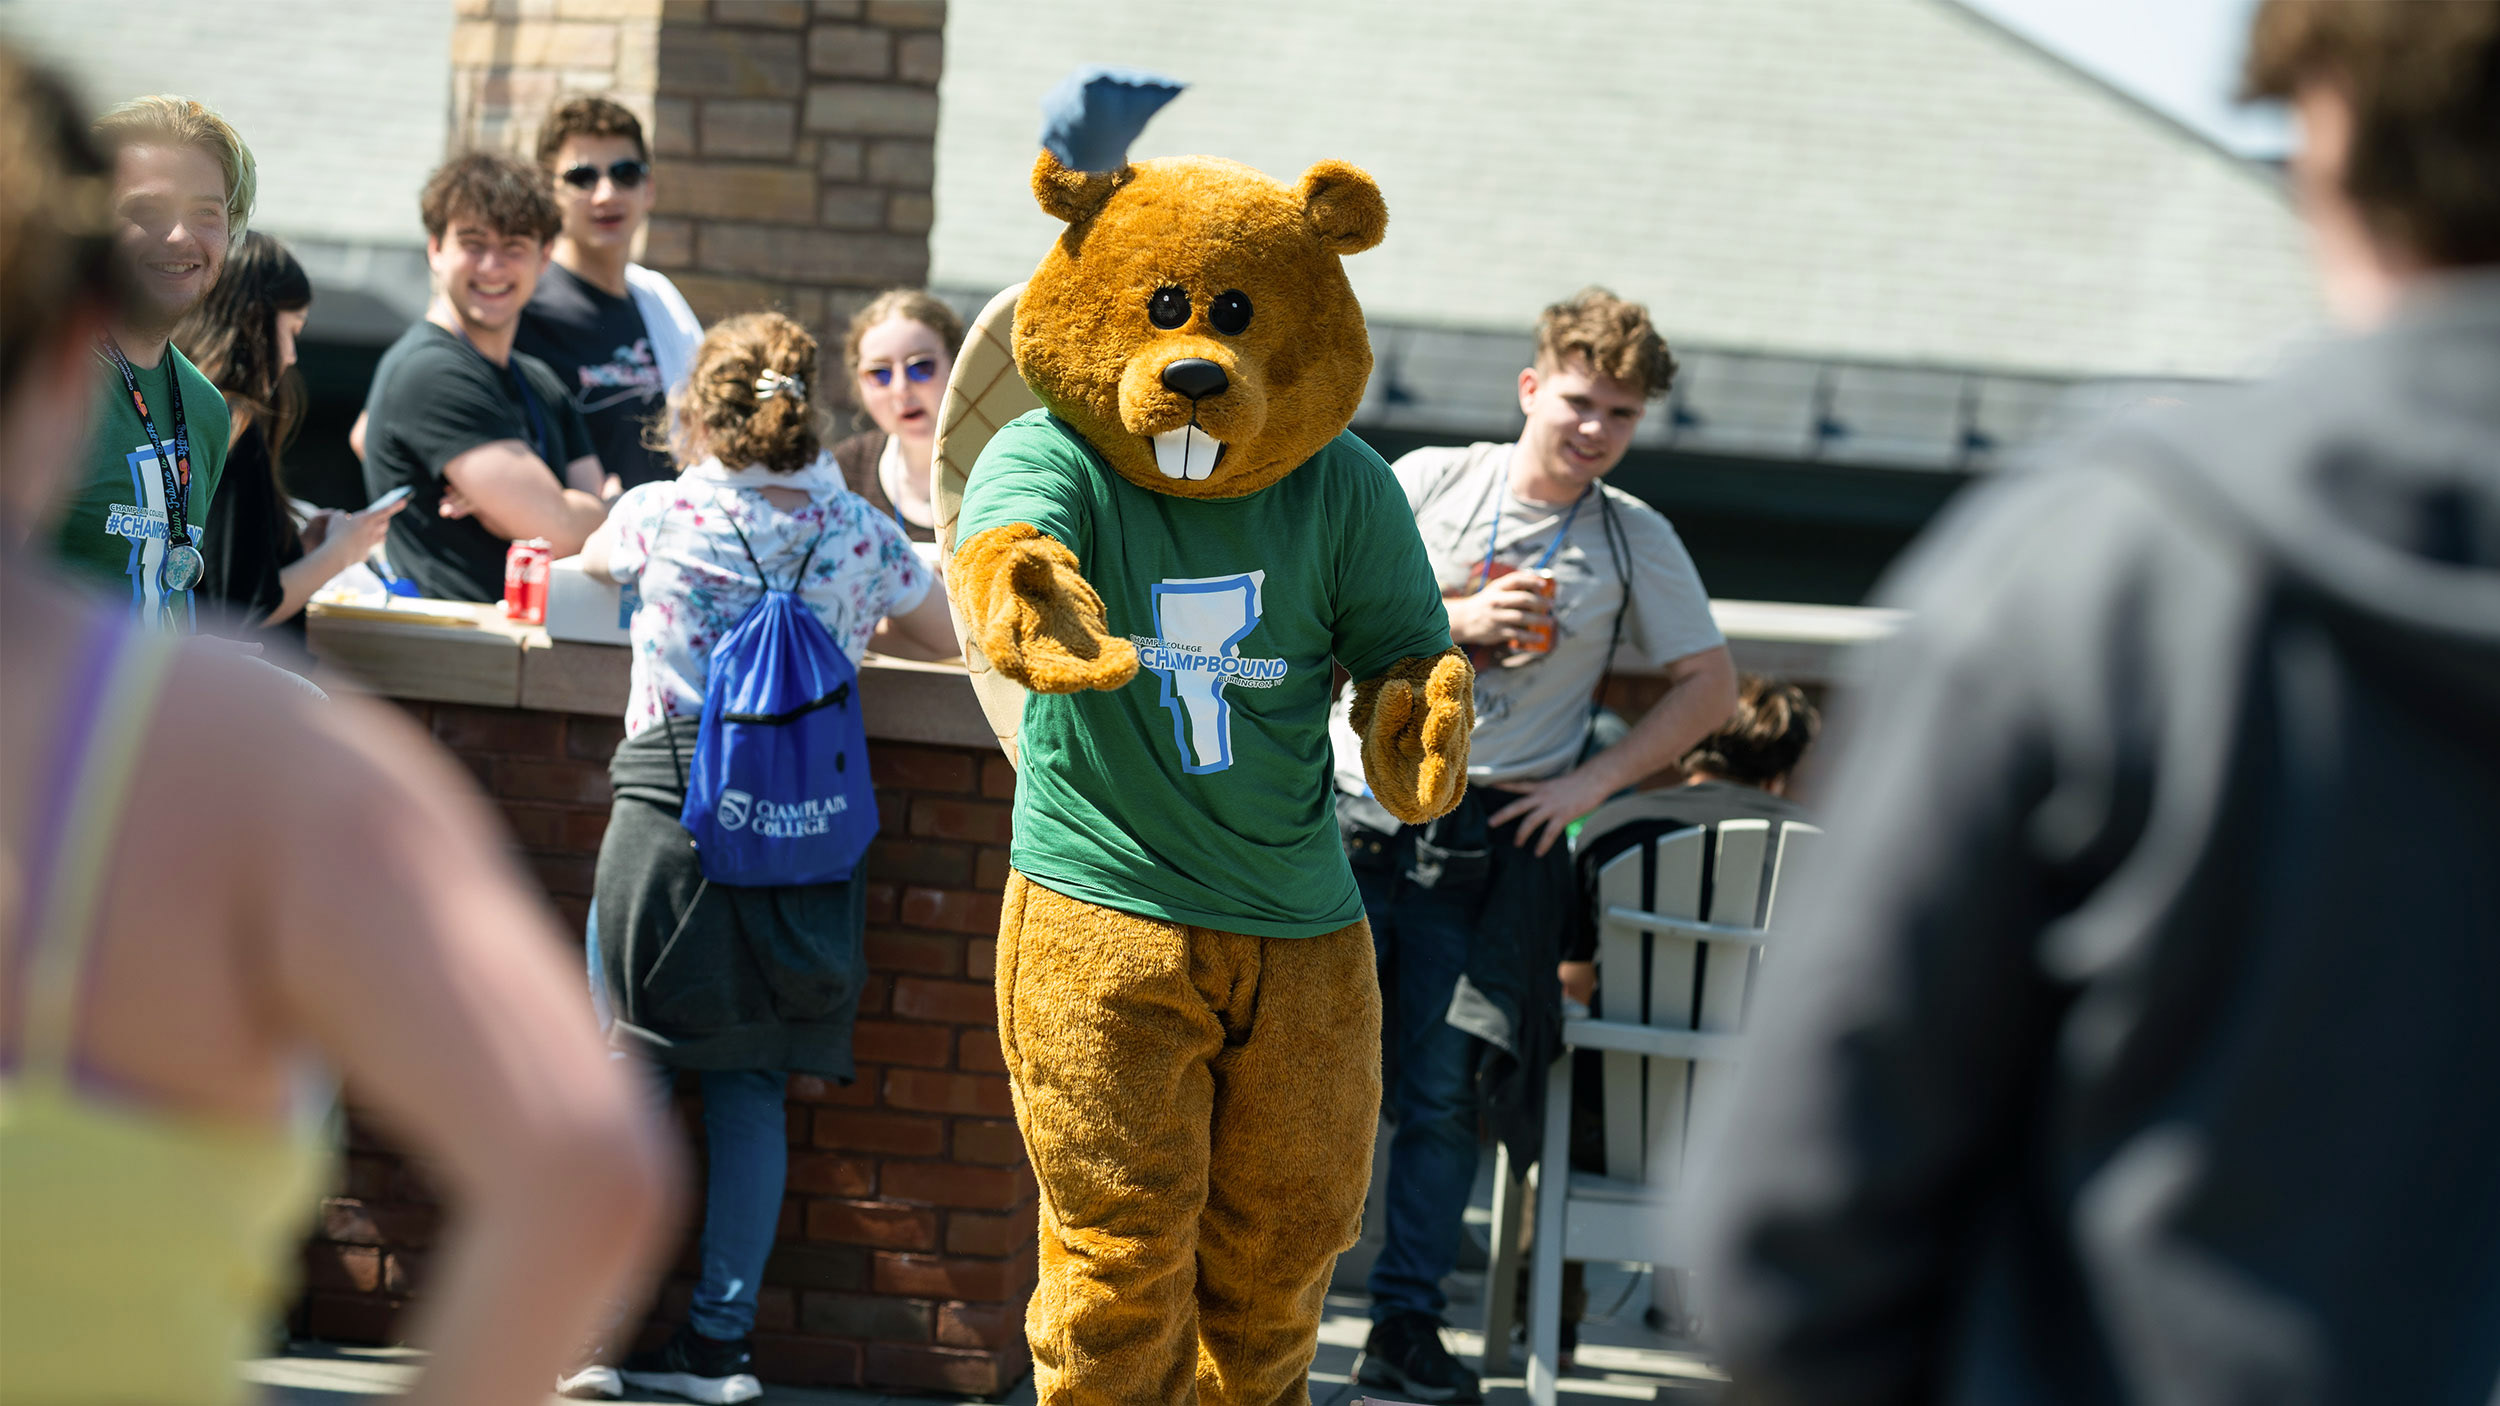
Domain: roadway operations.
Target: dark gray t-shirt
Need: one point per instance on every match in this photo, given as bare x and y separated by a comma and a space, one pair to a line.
435, 398
600, 349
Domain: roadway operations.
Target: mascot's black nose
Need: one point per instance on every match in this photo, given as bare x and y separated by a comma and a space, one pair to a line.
1195, 377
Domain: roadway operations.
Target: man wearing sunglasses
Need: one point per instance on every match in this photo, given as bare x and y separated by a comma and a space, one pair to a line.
618, 335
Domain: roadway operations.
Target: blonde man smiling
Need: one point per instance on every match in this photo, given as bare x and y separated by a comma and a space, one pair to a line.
181, 191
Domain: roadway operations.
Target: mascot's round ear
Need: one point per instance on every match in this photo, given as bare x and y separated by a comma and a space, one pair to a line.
1074, 196
1343, 207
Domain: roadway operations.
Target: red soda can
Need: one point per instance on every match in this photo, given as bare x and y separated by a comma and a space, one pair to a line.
515, 559
526, 566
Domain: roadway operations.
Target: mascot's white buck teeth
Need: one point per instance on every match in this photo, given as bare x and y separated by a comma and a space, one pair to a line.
1188, 452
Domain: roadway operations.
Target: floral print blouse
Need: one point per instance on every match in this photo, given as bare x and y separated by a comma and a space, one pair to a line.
676, 546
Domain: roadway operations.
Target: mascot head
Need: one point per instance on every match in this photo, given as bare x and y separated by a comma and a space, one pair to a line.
1193, 322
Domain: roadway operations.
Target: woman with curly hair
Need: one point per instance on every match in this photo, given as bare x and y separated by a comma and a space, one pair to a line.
744, 985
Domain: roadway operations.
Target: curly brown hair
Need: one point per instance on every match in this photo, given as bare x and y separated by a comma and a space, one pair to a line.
503, 193
1764, 739
588, 115
2423, 79
722, 413
1614, 334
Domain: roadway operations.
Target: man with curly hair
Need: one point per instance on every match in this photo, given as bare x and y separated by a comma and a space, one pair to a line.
486, 436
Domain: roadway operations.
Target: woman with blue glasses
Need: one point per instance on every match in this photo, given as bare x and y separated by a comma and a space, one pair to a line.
900, 349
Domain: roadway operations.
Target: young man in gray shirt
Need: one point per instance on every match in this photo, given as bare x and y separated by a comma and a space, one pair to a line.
1549, 574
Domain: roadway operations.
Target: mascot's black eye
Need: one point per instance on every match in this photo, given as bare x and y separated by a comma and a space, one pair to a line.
1169, 309
1230, 312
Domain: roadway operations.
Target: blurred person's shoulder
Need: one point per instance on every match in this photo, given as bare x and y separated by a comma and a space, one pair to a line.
2064, 537
279, 754
2355, 472
2363, 467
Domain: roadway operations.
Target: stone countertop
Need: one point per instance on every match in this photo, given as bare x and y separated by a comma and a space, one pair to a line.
471, 654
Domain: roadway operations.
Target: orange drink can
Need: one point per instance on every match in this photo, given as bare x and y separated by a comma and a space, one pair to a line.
1538, 638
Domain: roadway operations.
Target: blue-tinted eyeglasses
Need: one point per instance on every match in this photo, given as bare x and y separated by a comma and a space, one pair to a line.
919, 370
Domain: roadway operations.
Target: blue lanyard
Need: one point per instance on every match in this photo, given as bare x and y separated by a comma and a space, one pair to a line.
1494, 542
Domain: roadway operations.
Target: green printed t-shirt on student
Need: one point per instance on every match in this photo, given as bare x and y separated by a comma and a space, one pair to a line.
1200, 792
113, 533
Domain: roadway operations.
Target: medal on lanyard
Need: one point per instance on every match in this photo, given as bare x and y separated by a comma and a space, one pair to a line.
182, 565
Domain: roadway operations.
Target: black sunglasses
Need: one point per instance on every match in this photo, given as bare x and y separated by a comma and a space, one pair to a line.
918, 370
627, 174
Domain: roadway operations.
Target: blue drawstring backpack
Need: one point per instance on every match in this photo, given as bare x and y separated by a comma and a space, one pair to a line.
779, 790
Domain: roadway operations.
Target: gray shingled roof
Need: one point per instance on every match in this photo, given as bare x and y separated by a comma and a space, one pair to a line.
1814, 190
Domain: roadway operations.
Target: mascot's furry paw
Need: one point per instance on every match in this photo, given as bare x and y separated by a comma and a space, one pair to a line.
1414, 720
1035, 615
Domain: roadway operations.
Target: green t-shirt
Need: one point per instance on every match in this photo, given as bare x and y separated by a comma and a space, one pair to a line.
113, 533
1200, 792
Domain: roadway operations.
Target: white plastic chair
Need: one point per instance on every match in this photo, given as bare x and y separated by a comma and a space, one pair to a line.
1681, 928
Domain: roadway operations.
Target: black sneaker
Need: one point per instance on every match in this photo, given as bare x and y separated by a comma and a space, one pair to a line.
1404, 1353
697, 1368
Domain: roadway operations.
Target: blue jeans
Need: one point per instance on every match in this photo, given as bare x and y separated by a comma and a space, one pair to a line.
1419, 936
747, 1141
749, 1148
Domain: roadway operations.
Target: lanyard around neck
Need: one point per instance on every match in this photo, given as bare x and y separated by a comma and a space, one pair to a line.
1493, 543
176, 467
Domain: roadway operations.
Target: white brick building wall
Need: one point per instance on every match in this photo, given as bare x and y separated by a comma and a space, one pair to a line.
344, 102
1891, 180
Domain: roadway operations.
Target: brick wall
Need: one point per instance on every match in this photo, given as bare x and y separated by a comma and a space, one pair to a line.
793, 142
906, 1250
511, 59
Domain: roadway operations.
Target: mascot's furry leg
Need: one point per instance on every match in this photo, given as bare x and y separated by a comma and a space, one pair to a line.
1199, 1109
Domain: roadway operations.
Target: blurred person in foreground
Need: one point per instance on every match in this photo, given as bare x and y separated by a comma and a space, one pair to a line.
182, 186
209, 881
2140, 1044
486, 436
743, 984
899, 351
263, 565
618, 336
1468, 914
